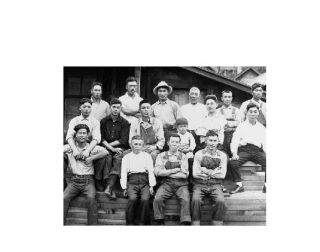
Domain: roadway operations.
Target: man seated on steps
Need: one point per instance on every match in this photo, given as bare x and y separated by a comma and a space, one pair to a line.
82, 180
114, 137
172, 166
94, 136
150, 129
209, 170
248, 144
137, 179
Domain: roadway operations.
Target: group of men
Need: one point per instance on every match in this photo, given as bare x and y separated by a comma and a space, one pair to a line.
161, 149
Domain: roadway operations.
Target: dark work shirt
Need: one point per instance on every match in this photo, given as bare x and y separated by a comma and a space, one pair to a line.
117, 130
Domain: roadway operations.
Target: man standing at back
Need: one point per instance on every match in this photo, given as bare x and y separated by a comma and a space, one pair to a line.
100, 108
194, 112
232, 116
257, 91
130, 100
166, 110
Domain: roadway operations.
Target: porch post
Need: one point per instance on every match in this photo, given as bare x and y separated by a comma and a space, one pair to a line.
137, 75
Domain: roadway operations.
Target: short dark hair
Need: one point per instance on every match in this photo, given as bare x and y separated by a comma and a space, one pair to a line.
115, 101
144, 101
81, 126
226, 91
252, 105
212, 133
137, 137
256, 85
213, 97
96, 83
130, 79
182, 121
174, 135
85, 100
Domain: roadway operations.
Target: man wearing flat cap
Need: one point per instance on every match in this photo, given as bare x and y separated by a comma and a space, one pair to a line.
257, 91
166, 110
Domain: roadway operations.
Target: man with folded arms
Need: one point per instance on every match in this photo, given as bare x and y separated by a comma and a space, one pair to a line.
130, 101
209, 170
137, 179
248, 144
172, 166
82, 180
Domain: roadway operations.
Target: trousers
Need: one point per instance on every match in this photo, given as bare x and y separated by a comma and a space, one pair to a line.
214, 191
246, 153
169, 188
138, 187
77, 185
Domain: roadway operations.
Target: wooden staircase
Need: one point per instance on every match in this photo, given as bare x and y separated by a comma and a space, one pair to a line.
242, 209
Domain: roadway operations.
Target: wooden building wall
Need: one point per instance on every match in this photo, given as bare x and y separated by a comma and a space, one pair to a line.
77, 83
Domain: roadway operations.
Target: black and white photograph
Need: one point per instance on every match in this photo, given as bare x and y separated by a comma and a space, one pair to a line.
165, 145
141, 125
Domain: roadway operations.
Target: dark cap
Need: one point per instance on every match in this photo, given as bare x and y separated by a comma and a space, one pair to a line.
182, 121
256, 85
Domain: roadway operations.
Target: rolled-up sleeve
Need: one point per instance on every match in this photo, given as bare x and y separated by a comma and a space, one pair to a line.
96, 134
197, 164
159, 134
235, 140
124, 172
133, 130
152, 179
70, 132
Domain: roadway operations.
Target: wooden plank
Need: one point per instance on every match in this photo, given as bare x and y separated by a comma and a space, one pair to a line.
111, 222
253, 187
253, 183
106, 206
244, 223
243, 218
246, 212
253, 177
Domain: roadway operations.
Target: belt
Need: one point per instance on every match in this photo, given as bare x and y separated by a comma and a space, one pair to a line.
207, 181
82, 176
137, 173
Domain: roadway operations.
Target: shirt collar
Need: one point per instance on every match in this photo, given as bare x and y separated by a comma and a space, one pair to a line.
149, 120
171, 154
99, 100
119, 119
225, 107
87, 119
83, 148
134, 96
164, 102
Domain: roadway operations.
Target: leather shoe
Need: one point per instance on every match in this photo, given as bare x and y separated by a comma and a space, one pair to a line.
264, 189
238, 189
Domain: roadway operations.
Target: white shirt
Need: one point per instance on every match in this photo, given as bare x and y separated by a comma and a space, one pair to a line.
215, 123
248, 133
100, 110
131, 103
243, 108
137, 163
80, 167
187, 139
194, 114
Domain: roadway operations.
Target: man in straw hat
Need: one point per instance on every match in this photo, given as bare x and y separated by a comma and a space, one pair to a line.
166, 110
